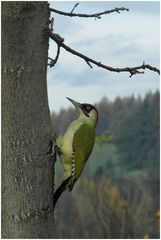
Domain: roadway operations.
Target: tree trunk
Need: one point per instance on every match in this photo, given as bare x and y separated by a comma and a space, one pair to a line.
27, 171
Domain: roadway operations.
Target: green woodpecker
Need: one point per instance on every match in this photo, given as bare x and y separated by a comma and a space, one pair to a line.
76, 145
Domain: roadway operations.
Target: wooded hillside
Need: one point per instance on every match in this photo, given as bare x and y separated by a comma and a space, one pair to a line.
118, 192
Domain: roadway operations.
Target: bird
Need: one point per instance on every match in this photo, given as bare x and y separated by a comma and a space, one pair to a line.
76, 146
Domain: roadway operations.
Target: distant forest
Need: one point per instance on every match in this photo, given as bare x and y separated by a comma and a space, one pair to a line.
121, 179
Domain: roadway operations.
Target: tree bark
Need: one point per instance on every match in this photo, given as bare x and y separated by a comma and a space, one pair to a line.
27, 171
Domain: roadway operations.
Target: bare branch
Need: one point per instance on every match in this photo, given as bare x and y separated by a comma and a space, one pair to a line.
76, 5
54, 61
95, 15
131, 70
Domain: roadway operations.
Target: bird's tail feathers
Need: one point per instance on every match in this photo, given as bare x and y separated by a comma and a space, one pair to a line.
60, 190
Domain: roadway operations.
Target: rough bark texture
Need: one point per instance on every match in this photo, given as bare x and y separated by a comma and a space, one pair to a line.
27, 176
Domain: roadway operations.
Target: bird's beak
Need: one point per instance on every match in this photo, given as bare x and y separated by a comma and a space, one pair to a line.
76, 104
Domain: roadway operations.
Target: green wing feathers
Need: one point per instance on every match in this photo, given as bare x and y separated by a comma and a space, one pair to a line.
83, 142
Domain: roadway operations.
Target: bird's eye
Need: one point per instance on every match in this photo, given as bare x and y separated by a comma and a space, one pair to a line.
88, 108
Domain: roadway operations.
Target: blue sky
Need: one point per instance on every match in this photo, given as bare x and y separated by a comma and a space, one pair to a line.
118, 40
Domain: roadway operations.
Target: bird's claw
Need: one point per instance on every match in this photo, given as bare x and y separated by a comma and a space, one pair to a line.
58, 150
51, 145
53, 148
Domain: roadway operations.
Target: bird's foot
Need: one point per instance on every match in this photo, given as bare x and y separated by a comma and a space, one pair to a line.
51, 145
58, 150
53, 148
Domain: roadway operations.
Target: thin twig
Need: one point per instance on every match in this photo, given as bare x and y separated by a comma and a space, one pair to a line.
76, 5
131, 70
54, 61
95, 15
89, 64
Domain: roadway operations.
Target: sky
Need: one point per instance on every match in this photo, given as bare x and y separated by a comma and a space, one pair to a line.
117, 40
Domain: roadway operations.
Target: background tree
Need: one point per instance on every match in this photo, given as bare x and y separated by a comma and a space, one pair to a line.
119, 187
